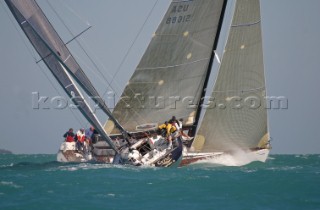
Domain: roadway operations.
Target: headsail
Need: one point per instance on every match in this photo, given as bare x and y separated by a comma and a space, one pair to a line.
237, 118
170, 76
56, 56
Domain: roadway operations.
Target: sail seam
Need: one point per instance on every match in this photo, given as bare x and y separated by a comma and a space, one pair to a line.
181, 1
156, 82
246, 24
165, 67
248, 90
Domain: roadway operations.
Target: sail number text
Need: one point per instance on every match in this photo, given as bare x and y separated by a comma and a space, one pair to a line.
178, 14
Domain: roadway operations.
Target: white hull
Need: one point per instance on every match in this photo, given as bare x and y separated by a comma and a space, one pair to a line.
239, 158
68, 153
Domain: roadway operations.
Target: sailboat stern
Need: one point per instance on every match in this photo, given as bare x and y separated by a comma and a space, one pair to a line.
69, 153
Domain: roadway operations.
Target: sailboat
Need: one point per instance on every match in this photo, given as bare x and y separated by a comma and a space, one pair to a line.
235, 124
170, 80
131, 149
173, 75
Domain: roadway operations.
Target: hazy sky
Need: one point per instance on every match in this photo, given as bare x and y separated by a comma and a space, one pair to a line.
121, 32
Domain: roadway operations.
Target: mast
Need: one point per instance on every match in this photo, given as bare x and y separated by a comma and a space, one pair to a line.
45, 31
84, 108
169, 78
35, 25
204, 90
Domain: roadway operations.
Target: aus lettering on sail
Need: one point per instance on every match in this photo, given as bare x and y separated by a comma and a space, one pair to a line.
179, 14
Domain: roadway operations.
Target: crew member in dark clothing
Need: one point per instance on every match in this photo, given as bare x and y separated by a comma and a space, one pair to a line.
95, 136
69, 135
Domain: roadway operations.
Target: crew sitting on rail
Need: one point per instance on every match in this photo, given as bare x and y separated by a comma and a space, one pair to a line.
69, 135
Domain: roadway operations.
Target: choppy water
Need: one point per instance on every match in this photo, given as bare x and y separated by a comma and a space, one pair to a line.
38, 182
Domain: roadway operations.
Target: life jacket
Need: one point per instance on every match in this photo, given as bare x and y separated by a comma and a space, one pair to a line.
80, 136
171, 129
69, 138
163, 126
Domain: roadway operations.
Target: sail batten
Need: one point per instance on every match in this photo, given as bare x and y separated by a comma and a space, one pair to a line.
177, 65
246, 24
241, 91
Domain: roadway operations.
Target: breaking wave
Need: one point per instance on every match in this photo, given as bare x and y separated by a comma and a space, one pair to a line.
236, 158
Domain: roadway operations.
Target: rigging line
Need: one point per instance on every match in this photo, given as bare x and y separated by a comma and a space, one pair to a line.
102, 76
78, 35
199, 111
82, 48
232, 7
90, 69
224, 47
126, 55
53, 9
134, 41
75, 13
110, 87
75, 38
56, 89
32, 53
79, 44
97, 68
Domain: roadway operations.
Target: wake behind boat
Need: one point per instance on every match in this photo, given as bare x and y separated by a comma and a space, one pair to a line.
236, 158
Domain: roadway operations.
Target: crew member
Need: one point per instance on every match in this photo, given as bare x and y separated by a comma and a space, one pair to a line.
80, 138
69, 135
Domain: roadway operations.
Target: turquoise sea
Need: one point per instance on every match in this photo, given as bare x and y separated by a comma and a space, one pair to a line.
39, 182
